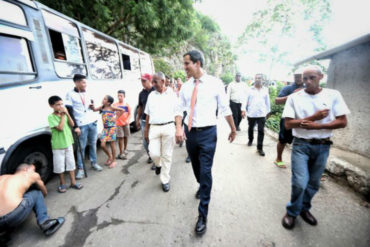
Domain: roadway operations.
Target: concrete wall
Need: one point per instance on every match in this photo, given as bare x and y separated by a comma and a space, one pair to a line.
349, 72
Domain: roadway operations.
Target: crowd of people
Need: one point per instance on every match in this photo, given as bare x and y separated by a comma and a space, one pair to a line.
170, 112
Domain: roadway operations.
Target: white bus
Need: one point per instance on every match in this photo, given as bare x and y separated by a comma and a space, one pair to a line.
40, 51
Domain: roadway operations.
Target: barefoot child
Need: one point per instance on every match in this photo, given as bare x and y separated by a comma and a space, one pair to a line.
123, 124
61, 142
109, 131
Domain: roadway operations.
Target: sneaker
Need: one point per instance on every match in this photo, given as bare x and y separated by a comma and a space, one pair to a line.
96, 167
80, 174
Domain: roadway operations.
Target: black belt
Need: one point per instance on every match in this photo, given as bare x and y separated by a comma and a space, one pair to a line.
316, 141
164, 123
200, 128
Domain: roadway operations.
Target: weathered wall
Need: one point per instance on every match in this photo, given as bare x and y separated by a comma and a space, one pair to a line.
349, 72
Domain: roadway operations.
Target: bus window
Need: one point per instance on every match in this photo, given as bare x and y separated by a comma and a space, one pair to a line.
65, 41
103, 56
126, 62
12, 13
15, 60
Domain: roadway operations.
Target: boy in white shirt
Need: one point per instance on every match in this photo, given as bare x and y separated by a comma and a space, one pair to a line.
312, 113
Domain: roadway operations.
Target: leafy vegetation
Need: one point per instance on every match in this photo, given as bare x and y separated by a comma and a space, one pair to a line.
273, 122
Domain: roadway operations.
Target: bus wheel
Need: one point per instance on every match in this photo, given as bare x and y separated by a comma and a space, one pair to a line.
38, 155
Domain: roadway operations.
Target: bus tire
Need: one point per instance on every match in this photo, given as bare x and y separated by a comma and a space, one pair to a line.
39, 155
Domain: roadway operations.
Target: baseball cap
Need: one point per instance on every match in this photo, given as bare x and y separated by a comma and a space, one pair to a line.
146, 77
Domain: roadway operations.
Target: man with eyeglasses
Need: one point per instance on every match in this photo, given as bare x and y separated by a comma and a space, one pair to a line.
312, 113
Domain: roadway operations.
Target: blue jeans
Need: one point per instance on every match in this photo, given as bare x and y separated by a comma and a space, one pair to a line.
308, 163
142, 126
89, 135
201, 147
32, 200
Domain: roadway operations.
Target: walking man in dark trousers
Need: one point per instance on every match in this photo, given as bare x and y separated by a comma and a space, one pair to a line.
200, 97
237, 93
258, 109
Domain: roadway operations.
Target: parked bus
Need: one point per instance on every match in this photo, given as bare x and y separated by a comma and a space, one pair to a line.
40, 51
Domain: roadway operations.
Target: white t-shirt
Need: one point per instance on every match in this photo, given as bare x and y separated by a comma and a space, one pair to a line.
300, 105
162, 107
81, 111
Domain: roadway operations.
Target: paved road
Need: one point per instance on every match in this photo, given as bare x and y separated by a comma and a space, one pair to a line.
125, 206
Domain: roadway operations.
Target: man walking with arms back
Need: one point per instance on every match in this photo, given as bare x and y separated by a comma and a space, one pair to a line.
201, 96
312, 113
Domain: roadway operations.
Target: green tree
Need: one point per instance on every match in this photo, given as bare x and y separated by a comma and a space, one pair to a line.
180, 74
161, 65
269, 37
148, 25
227, 77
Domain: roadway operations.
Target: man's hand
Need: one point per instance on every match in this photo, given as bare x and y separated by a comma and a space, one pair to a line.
320, 114
180, 135
146, 135
78, 131
310, 125
243, 114
232, 136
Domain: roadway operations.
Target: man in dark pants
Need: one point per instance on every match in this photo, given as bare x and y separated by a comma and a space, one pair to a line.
258, 108
200, 97
237, 93
285, 135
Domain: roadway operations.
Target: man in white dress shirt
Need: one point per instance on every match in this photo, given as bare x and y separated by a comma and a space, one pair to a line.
312, 113
159, 131
237, 93
200, 96
258, 108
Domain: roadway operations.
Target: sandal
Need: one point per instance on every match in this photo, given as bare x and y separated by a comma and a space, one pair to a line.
76, 186
280, 164
113, 164
62, 188
108, 162
122, 157
56, 224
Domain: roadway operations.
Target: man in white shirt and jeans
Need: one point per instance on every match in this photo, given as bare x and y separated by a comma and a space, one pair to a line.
312, 113
258, 108
85, 122
159, 131
236, 93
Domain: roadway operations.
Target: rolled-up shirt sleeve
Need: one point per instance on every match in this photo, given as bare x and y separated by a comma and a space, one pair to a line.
222, 101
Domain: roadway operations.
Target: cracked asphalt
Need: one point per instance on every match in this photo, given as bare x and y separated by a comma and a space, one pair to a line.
126, 206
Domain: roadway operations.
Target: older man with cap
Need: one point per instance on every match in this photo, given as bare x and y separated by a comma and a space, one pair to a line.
312, 113
237, 94
146, 81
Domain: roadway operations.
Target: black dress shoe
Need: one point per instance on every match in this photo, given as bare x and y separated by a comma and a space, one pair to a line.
158, 170
201, 226
309, 218
288, 221
149, 161
260, 151
249, 144
166, 187
197, 194
188, 159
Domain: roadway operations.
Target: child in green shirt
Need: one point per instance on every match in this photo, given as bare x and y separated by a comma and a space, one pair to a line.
61, 142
